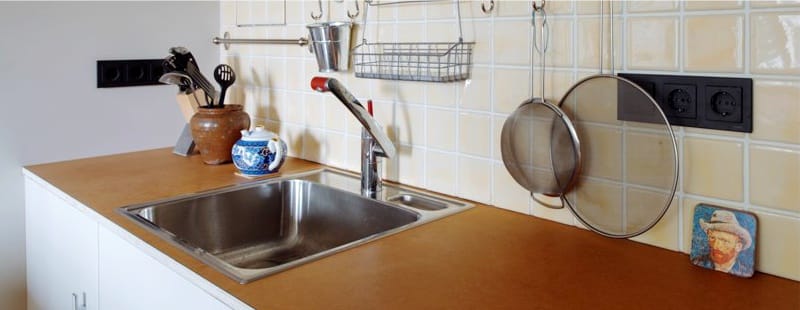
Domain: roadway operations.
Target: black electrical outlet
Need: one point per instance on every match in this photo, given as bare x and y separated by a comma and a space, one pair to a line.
698, 101
121, 73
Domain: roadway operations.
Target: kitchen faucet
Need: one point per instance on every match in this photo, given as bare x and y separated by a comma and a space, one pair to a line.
374, 142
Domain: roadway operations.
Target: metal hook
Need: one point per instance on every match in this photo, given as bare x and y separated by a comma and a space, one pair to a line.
357, 11
317, 17
538, 7
490, 9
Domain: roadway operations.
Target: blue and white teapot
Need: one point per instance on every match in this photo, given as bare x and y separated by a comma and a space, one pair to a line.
259, 152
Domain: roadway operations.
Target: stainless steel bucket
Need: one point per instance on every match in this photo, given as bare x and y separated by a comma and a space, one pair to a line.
330, 43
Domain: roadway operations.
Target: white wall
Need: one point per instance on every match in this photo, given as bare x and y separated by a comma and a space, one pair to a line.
52, 110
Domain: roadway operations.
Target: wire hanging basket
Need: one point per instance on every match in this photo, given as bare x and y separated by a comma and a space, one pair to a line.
413, 61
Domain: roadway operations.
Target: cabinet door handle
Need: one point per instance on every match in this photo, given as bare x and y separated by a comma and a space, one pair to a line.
75, 305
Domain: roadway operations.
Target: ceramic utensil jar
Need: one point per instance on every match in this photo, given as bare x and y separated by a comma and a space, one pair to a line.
216, 130
259, 152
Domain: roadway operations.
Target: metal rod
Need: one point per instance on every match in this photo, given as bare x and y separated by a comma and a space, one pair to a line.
227, 41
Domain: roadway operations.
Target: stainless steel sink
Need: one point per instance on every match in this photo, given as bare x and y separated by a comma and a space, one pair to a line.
254, 230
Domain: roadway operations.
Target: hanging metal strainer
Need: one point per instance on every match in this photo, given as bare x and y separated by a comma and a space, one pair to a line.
539, 145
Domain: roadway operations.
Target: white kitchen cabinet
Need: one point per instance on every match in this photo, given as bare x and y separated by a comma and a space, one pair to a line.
61, 249
73, 252
130, 279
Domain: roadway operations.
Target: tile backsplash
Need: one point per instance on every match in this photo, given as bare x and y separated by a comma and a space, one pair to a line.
448, 134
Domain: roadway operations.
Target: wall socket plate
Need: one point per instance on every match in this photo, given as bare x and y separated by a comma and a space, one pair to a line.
700, 101
122, 73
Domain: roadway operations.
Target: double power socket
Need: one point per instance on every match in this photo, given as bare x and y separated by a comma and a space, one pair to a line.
698, 101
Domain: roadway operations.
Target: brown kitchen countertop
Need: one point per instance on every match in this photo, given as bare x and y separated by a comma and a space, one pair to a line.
482, 258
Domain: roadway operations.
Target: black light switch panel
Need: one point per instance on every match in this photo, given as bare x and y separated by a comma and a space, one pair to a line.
699, 101
121, 73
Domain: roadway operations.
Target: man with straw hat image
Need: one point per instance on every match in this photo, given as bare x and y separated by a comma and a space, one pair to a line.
726, 239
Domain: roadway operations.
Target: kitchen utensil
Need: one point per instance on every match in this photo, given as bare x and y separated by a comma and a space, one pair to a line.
259, 152
539, 144
184, 82
631, 163
225, 76
413, 61
185, 59
330, 43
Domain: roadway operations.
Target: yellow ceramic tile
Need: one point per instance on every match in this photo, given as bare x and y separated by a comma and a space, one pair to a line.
562, 215
601, 149
474, 176
644, 208
511, 88
714, 43
775, 178
482, 36
293, 135
715, 132
650, 160
557, 7
336, 149
713, 168
778, 241
474, 132
441, 32
774, 3
443, 10
411, 166
713, 5
441, 172
314, 145
599, 204
441, 94
441, 131
294, 12
775, 43
227, 13
411, 125
776, 112
410, 92
475, 93
588, 48
353, 161
512, 8
651, 6
315, 113
652, 43
512, 45
336, 114
276, 73
384, 115
508, 194
384, 90
295, 111
497, 129
556, 85
559, 47
593, 7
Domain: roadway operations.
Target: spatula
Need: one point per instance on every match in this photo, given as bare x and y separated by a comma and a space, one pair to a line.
225, 76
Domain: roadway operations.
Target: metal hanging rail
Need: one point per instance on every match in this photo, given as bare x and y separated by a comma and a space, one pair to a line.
227, 41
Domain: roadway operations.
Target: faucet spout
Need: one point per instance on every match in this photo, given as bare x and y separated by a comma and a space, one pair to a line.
375, 142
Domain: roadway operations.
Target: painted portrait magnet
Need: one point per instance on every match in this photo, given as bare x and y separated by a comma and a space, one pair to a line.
724, 240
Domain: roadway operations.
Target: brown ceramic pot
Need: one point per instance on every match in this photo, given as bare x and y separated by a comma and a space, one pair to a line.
215, 131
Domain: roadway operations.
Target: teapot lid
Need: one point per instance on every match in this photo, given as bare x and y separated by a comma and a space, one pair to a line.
259, 133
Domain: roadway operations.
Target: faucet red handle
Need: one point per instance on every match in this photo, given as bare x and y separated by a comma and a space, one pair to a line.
319, 83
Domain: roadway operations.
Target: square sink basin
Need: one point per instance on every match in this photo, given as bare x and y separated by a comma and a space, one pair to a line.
251, 231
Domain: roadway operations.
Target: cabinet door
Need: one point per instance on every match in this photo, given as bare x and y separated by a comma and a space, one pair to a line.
130, 279
61, 252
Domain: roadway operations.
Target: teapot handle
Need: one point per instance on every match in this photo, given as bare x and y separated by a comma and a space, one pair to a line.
274, 146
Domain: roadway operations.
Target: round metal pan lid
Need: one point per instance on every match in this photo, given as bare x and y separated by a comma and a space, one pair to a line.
630, 158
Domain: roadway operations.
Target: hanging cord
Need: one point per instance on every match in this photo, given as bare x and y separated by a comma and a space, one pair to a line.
544, 36
602, 37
